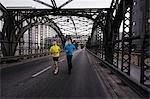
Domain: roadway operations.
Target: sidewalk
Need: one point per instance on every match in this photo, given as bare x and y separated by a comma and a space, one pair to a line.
115, 86
134, 73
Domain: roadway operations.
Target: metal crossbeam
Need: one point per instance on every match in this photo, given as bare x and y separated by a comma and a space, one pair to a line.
88, 13
74, 25
54, 3
41, 2
65, 4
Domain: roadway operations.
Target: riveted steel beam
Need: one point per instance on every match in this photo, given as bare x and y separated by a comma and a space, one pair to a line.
145, 60
41, 2
64, 4
54, 3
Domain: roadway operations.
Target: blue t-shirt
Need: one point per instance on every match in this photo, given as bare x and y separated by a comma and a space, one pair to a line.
69, 48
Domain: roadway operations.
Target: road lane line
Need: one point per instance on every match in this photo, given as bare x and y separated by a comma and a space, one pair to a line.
41, 71
45, 69
61, 60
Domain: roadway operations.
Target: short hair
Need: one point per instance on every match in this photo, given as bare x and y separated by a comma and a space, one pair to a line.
54, 42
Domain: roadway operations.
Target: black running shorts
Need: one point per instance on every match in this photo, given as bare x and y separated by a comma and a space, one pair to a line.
55, 58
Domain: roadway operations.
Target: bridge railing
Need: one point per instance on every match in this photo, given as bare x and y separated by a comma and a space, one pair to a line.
26, 55
127, 53
23, 51
143, 91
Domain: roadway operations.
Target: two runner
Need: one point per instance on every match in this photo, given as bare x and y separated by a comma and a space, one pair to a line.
55, 53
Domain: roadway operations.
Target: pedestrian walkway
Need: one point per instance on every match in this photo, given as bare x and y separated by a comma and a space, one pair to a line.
135, 72
115, 86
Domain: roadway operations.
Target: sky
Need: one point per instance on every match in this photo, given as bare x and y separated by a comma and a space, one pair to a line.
73, 4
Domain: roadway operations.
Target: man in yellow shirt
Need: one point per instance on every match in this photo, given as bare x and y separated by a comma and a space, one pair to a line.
55, 52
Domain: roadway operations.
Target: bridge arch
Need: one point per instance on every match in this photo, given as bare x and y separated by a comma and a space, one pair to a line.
44, 21
13, 30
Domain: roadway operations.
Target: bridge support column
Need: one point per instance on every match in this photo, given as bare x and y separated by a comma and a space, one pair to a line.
108, 40
127, 33
8, 38
145, 55
8, 48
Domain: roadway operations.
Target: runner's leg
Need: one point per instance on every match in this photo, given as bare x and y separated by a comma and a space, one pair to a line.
56, 65
69, 63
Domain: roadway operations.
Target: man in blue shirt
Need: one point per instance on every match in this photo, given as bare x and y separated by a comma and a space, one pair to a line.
69, 47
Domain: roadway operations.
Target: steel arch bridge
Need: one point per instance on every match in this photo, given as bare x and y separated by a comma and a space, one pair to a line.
116, 49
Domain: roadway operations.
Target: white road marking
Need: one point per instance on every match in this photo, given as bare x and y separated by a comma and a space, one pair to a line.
61, 60
45, 69
41, 71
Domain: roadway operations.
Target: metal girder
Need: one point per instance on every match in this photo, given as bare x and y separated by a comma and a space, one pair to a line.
117, 12
6, 35
65, 4
145, 58
74, 25
30, 39
101, 31
99, 42
27, 13
127, 32
98, 32
120, 9
54, 3
41, 2
36, 38
119, 17
2, 9
87, 12
13, 30
80, 25
41, 38
116, 16
43, 20
100, 20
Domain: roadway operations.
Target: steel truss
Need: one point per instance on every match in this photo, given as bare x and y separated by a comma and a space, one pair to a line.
127, 33
117, 47
14, 28
98, 31
36, 39
32, 17
145, 59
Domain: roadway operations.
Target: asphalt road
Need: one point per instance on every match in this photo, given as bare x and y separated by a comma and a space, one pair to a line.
35, 80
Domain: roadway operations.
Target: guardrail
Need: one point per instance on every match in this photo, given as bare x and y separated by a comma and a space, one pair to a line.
135, 58
140, 89
21, 57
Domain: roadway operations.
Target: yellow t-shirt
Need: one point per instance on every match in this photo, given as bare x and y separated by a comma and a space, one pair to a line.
55, 50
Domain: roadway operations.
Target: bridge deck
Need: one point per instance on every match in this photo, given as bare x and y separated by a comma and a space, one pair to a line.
35, 80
